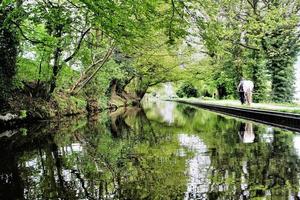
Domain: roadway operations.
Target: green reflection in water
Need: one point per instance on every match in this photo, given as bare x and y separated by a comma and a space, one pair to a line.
164, 151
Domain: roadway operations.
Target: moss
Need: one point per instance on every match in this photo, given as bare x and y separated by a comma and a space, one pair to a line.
23, 131
23, 114
79, 103
103, 102
70, 105
38, 108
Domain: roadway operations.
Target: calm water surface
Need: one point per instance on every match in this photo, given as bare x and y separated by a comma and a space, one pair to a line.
164, 151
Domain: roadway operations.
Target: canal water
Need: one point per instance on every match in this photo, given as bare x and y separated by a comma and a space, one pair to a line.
163, 151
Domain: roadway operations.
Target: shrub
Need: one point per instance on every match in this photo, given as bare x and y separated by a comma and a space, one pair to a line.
187, 90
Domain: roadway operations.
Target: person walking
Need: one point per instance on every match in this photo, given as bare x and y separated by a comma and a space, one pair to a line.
245, 89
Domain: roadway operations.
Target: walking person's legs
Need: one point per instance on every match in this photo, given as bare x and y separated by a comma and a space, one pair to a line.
242, 97
250, 98
247, 97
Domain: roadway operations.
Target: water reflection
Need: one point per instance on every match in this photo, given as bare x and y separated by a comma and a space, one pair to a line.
246, 132
296, 143
164, 151
268, 135
198, 167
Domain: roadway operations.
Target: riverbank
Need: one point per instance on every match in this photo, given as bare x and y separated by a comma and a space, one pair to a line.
285, 120
23, 108
289, 108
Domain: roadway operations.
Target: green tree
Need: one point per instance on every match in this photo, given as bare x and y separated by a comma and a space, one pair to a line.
249, 38
282, 47
187, 90
9, 43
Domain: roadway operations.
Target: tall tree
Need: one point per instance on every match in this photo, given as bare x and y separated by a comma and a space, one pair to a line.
8, 46
249, 34
58, 29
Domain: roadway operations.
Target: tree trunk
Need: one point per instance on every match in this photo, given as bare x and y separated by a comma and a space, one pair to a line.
118, 93
141, 93
221, 91
91, 72
141, 88
57, 55
8, 54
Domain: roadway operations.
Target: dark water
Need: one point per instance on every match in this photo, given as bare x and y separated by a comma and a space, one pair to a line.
166, 151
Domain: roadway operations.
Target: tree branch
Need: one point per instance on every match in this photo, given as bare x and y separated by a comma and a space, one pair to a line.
171, 20
78, 45
27, 38
248, 47
243, 45
83, 81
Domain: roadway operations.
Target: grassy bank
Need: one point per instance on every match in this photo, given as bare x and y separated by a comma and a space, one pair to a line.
281, 107
23, 108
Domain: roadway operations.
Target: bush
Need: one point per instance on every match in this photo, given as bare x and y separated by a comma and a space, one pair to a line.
187, 90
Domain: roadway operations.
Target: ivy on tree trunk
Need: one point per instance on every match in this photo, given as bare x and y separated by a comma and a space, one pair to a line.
8, 54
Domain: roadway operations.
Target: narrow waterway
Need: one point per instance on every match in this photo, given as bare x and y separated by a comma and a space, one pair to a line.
163, 151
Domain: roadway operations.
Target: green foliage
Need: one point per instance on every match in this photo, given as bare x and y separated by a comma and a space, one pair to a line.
282, 48
81, 46
23, 114
72, 46
187, 90
257, 72
8, 50
23, 131
70, 105
261, 46
66, 78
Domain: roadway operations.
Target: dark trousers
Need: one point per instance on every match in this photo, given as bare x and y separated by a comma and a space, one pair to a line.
242, 97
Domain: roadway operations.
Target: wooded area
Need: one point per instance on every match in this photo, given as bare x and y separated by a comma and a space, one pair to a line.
73, 55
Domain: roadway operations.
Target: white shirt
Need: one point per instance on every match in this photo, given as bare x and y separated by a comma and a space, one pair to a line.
246, 85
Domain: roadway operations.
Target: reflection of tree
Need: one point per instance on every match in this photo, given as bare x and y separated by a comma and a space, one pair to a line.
11, 183
89, 161
82, 160
150, 172
255, 170
188, 111
250, 170
241, 170
37, 161
119, 128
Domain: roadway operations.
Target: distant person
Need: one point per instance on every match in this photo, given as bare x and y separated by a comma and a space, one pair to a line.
245, 89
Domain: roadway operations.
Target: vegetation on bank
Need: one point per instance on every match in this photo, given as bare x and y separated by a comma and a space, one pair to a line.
72, 56
84, 53
257, 40
280, 107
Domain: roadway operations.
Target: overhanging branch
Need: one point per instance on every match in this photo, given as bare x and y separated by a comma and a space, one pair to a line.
27, 38
78, 45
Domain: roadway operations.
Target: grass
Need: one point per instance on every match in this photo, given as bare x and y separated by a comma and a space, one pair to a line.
281, 107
